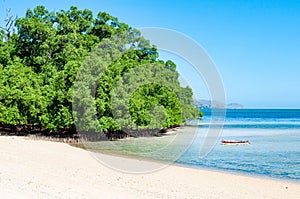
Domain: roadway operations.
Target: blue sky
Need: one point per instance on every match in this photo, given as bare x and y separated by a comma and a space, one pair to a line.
254, 44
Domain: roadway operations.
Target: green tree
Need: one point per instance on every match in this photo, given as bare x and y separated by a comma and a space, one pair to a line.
41, 61
21, 101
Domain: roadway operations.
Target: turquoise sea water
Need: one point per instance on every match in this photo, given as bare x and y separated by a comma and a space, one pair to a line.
274, 150
275, 143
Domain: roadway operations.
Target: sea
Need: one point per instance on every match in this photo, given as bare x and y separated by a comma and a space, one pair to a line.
274, 149
273, 152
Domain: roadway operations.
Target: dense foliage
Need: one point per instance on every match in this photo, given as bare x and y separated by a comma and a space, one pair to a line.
40, 61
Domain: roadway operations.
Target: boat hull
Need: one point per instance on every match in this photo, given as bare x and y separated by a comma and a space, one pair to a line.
228, 142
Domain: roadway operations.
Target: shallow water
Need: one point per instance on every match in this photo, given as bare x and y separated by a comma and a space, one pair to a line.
275, 143
272, 153
274, 150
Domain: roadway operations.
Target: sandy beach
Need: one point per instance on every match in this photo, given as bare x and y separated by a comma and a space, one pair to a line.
44, 169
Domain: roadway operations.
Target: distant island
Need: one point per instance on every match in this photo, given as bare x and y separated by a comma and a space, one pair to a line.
235, 106
202, 103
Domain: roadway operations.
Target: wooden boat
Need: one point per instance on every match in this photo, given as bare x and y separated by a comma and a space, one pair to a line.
235, 142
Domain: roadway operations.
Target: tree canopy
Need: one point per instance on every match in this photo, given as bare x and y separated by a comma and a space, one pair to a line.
39, 64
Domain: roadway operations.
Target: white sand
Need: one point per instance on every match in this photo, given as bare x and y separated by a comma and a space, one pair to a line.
43, 169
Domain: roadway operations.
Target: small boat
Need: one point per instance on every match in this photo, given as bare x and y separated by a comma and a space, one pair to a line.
235, 142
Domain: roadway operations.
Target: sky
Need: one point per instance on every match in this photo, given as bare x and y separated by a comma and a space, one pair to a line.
255, 44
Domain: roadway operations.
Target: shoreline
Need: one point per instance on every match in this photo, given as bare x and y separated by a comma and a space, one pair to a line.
43, 169
170, 132
212, 169
174, 132
241, 173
